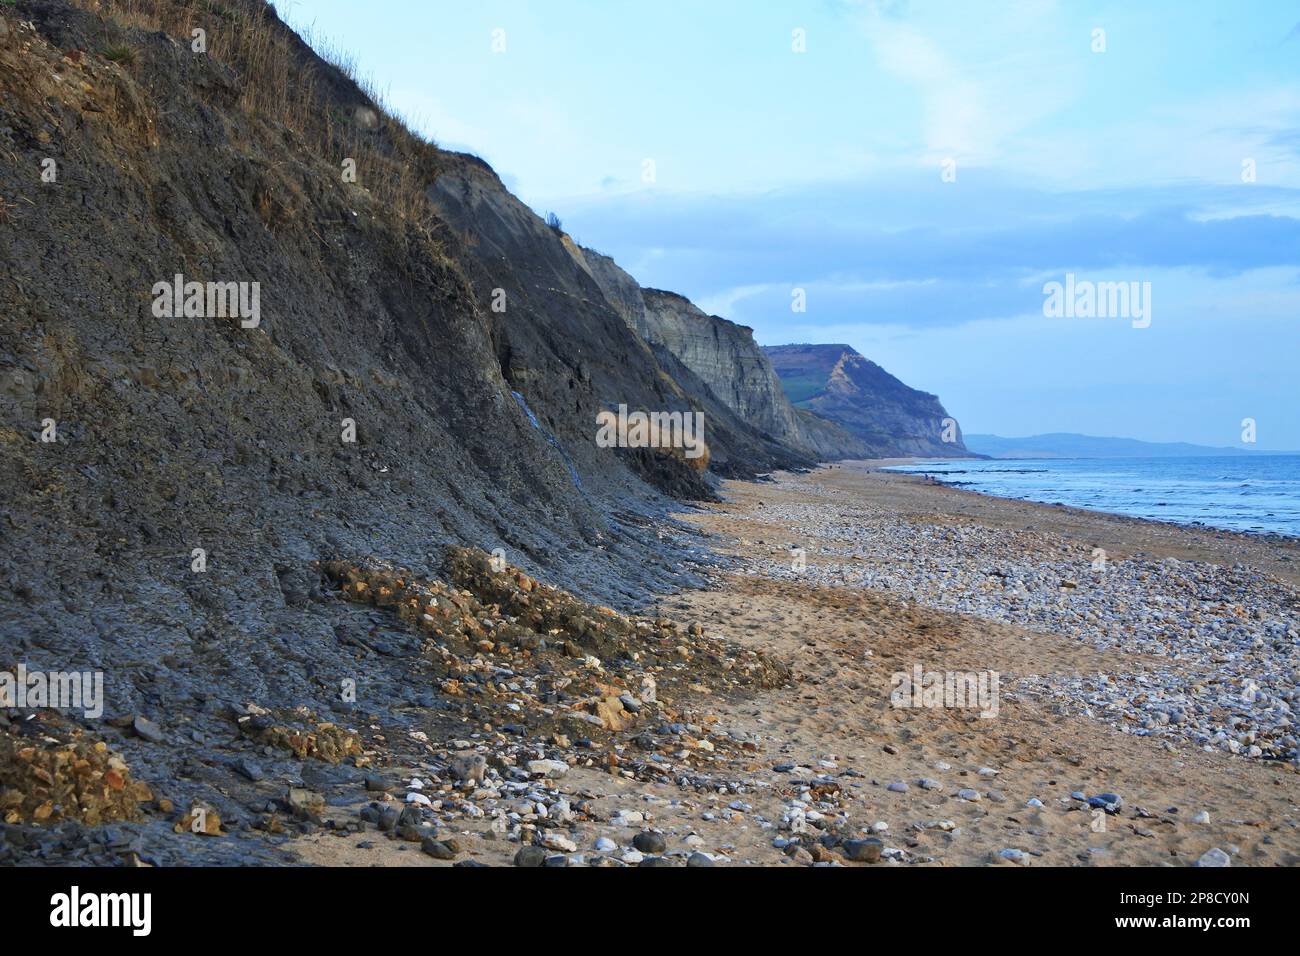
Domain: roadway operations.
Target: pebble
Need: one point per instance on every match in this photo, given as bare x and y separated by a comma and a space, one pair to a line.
557, 841
945, 825
530, 856
148, 730
650, 841
302, 800
863, 851
548, 768
469, 768
437, 849
1110, 802
1214, 857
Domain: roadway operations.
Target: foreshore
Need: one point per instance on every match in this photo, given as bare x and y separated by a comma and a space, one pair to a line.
1164, 674
1120, 733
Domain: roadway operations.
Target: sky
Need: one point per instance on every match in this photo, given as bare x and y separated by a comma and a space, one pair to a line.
917, 173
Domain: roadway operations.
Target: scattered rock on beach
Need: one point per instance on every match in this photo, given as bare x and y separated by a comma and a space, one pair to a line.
650, 841
1214, 857
530, 856
863, 851
437, 849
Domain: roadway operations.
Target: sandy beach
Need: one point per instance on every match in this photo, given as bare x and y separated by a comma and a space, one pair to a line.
826, 765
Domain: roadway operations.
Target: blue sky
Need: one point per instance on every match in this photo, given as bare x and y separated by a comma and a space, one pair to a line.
823, 170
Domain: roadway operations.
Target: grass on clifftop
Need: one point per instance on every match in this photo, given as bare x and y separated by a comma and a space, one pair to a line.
282, 85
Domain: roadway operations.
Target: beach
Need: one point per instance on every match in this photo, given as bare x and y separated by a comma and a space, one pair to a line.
1120, 735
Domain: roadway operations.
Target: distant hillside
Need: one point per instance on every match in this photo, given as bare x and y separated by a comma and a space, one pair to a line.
1068, 445
893, 419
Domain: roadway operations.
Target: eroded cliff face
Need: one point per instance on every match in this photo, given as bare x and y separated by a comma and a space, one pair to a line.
891, 418
171, 482
724, 357
564, 342
471, 425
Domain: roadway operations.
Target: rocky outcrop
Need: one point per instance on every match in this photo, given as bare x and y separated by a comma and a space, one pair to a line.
891, 419
723, 356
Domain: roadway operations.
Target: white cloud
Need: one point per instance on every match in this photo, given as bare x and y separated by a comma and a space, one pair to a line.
978, 89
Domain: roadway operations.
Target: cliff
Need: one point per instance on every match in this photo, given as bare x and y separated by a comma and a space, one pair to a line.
724, 357
891, 419
562, 344
378, 297
249, 326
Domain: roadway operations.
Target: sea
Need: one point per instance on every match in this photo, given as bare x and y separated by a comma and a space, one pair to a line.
1254, 493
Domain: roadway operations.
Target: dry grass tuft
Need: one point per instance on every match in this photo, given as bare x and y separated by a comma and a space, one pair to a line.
124, 55
277, 87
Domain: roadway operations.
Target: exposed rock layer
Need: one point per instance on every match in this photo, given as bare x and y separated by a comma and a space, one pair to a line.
724, 357
892, 419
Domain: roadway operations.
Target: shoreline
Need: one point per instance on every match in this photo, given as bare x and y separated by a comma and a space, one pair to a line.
1146, 726
1223, 613
883, 464
1207, 540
